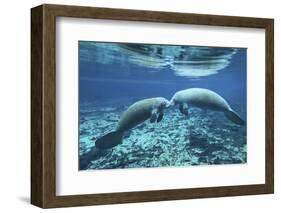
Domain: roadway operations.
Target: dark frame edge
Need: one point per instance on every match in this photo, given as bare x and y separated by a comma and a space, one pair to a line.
157, 196
269, 121
37, 190
43, 167
156, 16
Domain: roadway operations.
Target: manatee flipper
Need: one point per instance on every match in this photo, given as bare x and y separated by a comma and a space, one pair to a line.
234, 117
109, 140
160, 117
184, 109
153, 116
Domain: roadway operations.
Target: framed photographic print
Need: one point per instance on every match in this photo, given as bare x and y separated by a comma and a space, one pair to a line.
136, 106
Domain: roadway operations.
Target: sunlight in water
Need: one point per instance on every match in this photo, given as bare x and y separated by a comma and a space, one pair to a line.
184, 61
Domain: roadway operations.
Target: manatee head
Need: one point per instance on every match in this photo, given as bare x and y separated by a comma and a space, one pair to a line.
163, 102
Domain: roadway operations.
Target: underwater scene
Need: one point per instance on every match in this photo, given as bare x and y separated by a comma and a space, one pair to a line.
152, 105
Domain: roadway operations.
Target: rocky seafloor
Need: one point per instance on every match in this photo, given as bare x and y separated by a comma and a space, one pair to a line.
204, 138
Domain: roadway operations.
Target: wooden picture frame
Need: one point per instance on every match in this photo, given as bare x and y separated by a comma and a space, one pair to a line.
43, 105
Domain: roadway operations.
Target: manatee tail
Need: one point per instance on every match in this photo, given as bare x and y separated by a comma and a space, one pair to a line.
234, 117
85, 160
109, 140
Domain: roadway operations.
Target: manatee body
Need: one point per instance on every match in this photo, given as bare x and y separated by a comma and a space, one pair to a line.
137, 113
204, 99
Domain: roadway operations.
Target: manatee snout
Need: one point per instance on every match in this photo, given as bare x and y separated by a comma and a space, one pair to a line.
165, 104
172, 102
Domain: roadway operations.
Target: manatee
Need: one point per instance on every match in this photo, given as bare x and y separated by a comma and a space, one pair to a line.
137, 113
204, 99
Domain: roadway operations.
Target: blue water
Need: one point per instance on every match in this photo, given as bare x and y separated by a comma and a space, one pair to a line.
113, 76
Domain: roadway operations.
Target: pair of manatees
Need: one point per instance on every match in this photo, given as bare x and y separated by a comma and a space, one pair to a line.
153, 109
